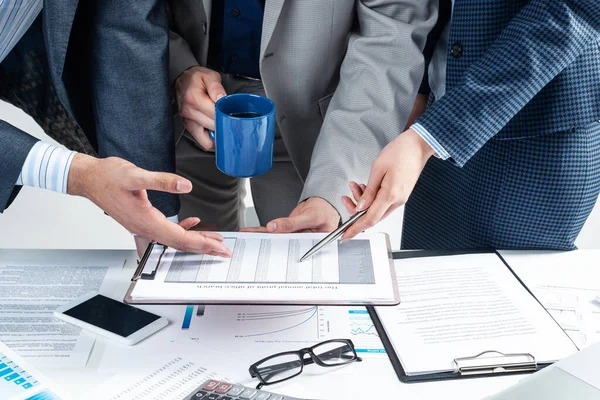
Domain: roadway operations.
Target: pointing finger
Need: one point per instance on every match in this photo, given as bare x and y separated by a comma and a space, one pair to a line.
141, 179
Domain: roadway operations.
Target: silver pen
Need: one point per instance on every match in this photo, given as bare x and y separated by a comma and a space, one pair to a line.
333, 235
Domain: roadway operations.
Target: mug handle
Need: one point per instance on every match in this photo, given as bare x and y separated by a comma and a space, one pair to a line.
211, 134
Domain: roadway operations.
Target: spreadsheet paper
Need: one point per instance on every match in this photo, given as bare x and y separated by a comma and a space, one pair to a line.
267, 268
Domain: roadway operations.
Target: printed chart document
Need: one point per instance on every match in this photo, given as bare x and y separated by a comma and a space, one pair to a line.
267, 269
33, 283
462, 305
264, 330
20, 381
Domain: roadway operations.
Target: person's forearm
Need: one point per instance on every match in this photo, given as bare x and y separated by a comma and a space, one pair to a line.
379, 80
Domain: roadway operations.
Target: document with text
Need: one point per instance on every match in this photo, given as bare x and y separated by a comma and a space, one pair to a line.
267, 269
459, 306
33, 284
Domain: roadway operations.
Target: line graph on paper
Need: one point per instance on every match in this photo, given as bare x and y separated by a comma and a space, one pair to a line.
272, 321
361, 323
363, 329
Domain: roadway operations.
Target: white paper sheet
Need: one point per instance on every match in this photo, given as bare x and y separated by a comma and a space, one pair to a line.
31, 289
567, 284
267, 268
460, 306
169, 372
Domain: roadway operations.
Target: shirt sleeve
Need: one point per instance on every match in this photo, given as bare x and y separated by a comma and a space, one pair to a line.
46, 167
440, 152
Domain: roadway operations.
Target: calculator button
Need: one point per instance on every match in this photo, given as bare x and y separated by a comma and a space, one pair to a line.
263, 396
223, 388
199, 395
213, 396
248, 394
211, 385
226, 398
236, 391
277, 397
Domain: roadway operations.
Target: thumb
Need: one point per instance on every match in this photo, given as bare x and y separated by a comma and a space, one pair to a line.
160, 181
214, 87
370, 192
292, 224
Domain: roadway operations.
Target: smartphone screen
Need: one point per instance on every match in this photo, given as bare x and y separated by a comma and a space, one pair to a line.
113, 316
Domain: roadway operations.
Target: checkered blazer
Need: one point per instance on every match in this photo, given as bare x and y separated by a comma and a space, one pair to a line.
520, 119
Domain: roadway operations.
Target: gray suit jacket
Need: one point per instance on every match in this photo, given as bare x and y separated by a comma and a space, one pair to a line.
99, 66
343, 73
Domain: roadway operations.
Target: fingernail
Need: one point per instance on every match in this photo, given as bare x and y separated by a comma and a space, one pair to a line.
272, 227
222, 254
361, 205
220, 95
183, 186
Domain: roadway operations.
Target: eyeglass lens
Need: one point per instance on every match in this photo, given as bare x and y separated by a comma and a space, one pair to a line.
334, 353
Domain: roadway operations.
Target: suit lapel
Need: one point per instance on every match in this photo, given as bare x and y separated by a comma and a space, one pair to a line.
58, 20
272, 11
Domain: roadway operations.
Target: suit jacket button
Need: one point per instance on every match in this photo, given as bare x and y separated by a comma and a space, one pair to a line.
456, 50
204, 27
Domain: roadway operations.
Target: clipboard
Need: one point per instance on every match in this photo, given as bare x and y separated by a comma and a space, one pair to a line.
149, 264
467, 366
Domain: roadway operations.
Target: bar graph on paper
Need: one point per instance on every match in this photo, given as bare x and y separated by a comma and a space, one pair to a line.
16, 382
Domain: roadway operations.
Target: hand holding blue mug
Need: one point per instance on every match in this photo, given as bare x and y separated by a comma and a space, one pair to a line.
244, 134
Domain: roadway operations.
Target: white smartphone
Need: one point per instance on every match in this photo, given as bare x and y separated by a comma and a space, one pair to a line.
110, 318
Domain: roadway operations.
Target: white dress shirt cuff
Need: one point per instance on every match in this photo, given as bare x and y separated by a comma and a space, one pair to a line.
47, 167
440, 152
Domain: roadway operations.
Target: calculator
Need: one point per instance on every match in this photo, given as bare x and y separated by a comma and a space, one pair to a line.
217, 390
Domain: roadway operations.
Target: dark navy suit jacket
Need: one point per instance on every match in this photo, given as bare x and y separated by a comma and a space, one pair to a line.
100, 68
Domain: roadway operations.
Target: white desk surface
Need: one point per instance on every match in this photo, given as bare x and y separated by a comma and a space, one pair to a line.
357, 381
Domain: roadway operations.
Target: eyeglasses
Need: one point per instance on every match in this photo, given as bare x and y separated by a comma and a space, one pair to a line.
283, 366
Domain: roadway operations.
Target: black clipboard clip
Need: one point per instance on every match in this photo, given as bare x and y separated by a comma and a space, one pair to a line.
507, 363
147, 267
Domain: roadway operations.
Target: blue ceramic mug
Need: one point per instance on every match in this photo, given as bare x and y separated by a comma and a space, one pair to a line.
244, 134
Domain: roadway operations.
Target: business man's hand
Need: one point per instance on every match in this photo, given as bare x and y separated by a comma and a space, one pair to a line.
119, 188
312, 215
393, 177
197, 90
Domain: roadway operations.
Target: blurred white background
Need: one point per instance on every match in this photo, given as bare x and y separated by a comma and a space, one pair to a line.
45, 220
